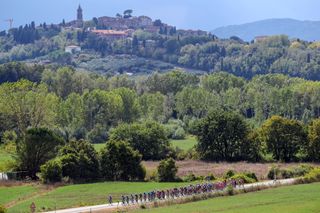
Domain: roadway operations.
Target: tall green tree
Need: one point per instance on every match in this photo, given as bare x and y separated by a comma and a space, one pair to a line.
149, 138
221, 137
130, 111
70, 114
154, 107
171, 82
59, 82
37, 147
313, 147
79, 160
196, 102
101, 107
29, 104
119, 162
284, 137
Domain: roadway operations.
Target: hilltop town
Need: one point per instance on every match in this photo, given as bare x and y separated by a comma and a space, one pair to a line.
125, 25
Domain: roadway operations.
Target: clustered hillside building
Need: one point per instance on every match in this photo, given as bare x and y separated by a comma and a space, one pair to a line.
123, 27
113, 34
133, 23
125, 23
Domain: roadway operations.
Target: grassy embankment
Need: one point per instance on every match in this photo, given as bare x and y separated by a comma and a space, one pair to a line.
290, 199
81, 194
16, 193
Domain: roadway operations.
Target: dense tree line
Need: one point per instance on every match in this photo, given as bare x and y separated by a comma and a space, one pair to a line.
12, 72
26, 34
30, 32
225, 136
29, 42
85, 105
234, 119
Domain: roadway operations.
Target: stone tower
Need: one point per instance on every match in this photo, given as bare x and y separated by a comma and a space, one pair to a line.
79, 17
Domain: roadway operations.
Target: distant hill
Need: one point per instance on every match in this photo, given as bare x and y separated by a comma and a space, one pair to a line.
306, 30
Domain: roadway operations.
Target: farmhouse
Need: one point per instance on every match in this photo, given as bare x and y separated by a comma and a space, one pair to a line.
72, 49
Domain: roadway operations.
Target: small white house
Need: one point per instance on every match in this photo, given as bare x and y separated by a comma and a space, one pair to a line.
72, 49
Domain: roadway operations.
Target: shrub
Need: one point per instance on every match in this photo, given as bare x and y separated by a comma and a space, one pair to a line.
51, 171
312, 176
286, 173
298, 171
190, 177
229, 174
302, 170
191, 124
3, 209
230, 190
167, 170
210, 177
243, 177
151, 175
175, 129
251, 175
179, 134
141, 172
98, 135
273, 172
180, 154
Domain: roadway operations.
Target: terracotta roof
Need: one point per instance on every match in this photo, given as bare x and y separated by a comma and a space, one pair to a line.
110, 32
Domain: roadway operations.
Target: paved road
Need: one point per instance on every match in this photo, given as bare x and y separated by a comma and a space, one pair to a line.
114, 206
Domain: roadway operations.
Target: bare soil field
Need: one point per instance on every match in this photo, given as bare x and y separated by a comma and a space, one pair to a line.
218, 169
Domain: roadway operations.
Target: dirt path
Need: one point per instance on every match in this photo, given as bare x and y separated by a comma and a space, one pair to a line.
42, 191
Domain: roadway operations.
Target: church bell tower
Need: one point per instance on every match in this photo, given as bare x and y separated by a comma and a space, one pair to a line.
79, 17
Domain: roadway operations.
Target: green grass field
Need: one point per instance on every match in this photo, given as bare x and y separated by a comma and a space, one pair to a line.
289, 199
185, 144
16, 193
86, 194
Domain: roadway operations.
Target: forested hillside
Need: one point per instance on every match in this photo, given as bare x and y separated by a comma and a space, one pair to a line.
144, 52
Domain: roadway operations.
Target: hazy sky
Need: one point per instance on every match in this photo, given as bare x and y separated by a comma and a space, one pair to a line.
193, 14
